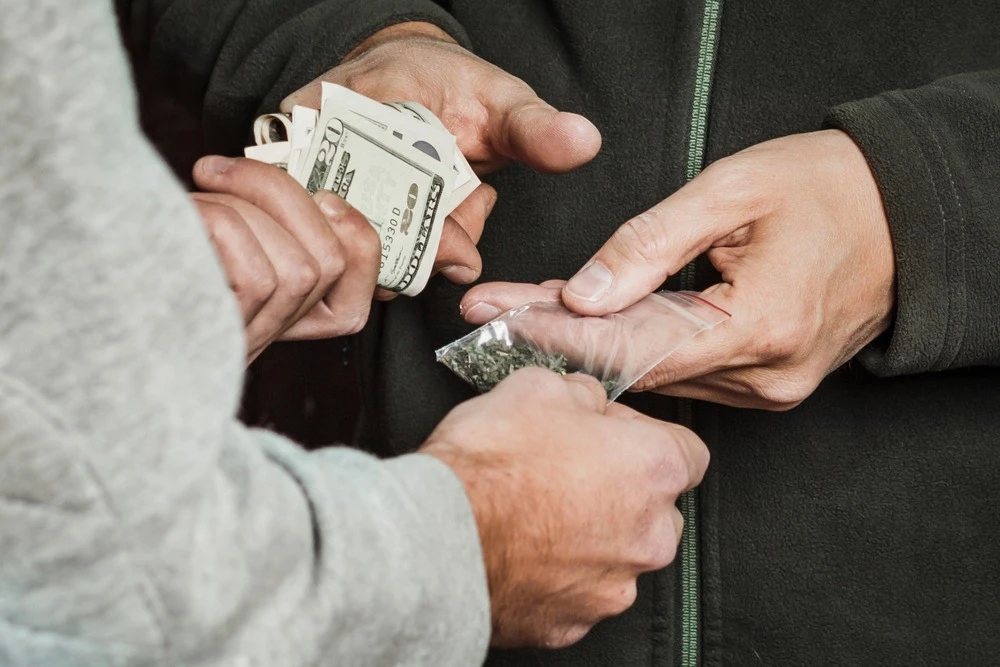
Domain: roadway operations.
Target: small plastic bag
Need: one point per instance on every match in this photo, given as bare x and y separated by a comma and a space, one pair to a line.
617, 349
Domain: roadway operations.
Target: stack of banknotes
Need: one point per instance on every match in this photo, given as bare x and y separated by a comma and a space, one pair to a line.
394, 162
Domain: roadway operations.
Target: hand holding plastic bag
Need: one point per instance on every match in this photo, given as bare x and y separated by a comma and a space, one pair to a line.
618, 349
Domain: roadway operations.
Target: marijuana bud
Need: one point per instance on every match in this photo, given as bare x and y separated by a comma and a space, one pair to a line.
484, 366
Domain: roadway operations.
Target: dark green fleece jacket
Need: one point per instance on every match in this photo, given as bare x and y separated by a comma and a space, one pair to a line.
860, 528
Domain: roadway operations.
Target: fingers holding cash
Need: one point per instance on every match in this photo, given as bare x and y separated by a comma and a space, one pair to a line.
457, 257
301, 267
397, 162
496, 116
398, 166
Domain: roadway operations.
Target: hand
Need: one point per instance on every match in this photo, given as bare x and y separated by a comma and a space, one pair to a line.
300, 267
797, 230
573, 499
495, 116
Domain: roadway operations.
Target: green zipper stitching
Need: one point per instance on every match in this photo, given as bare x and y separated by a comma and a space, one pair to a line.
690, 608
703, 87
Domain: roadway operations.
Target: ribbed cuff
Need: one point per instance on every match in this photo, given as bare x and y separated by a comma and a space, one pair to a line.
464, 608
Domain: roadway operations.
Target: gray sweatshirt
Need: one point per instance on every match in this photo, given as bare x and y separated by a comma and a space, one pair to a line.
140, 523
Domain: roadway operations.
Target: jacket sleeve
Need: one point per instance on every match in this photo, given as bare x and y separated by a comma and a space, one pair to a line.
935, 152
140, 522
231, 59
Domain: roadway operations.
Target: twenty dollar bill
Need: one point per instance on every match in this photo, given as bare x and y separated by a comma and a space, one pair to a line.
395, 164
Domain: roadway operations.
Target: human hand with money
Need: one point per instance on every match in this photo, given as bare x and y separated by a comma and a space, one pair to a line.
495, 117
397, 164
300, 267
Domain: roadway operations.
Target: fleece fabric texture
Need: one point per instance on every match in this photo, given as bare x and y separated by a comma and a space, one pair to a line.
859, 528
140, 522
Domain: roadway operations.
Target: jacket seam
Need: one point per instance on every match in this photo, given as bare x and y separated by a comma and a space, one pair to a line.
956, 328
900, 118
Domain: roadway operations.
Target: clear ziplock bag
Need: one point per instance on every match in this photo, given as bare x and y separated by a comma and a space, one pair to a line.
617, 349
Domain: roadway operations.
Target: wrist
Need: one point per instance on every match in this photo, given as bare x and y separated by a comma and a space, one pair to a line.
416, 30
876, 235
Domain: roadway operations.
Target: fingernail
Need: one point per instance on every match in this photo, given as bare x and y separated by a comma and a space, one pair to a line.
461, 275
481, 312
216, 164
592, 283
333, 207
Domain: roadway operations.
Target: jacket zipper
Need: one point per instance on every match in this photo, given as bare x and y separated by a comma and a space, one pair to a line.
690, 605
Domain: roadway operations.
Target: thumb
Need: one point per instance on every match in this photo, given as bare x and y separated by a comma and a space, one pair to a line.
654, 245
587, 392
307, 96
549, 141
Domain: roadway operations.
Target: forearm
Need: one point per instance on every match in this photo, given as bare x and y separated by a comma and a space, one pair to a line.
300, 559
140, 522
233, 58
935, 152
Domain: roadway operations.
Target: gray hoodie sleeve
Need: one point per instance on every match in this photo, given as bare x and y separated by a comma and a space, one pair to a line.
140, 523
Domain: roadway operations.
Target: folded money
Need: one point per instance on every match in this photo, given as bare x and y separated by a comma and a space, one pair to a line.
395, 163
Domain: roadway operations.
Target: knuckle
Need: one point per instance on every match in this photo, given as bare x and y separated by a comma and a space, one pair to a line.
220, 220
677, 519
685, 459
658, 536
668, 553
664, 541
683, 473
785, 391
556, 638
737, 183
662, 550
564, 636
621, 599
262, 287
639, 240
356, 218
651, 380
595, 391
332, 264
302, 277
697, 452
359, 239
540, 383
543, 381
356, 322
365, 236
